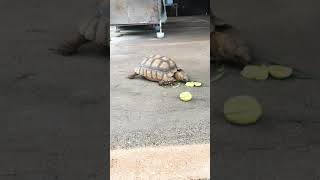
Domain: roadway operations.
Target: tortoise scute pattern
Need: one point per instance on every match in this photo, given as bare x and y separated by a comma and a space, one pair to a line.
156, 68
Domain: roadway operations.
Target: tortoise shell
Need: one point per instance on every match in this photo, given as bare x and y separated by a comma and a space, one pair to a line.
156, 68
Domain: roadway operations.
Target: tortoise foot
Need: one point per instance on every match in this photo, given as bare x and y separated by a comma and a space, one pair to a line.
66, 51
166, 83
71, 46
132, 76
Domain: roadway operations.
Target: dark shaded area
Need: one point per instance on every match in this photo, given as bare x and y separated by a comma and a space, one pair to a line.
285, 143
53, 109
190, 8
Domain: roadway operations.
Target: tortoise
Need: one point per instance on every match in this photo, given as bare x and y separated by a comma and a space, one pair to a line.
226, 44
160, 69
93, 29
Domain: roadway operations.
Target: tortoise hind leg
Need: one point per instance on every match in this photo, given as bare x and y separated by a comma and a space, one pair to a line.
133, 75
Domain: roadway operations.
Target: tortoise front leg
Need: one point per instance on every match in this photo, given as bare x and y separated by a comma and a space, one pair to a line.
133, 75
167, 82
71, 46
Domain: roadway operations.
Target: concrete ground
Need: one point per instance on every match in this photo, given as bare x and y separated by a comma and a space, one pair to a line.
183, 162
142, 112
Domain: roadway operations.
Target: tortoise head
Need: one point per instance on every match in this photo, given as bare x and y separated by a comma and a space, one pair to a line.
180, 75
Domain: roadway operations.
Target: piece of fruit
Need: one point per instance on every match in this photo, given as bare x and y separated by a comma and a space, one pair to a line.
255, 72
197, 84
242, 110
185, 96
190, 84
280, 72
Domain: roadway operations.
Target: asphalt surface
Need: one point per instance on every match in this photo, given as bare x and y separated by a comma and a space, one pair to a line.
142, 112
53, 108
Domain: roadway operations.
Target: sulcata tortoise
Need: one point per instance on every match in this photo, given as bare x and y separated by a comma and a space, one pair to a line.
160, 69
94, 29
226, 44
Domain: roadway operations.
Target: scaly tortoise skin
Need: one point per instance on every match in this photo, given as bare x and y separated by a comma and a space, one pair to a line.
226, 44
160, 69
